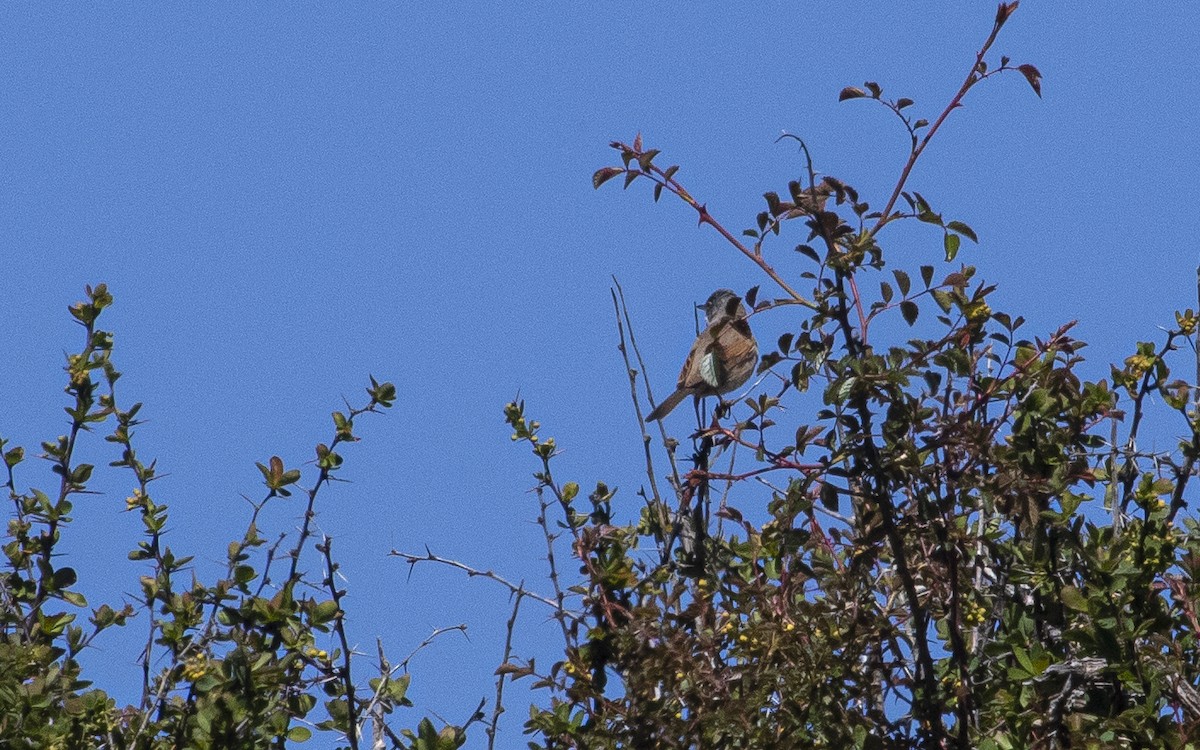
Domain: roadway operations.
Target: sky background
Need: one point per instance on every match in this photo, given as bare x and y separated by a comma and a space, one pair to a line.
285, 198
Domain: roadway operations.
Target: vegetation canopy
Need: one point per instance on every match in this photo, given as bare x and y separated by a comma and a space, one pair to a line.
962, 546
965, 546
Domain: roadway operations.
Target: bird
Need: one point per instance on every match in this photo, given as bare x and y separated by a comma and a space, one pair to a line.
722, 358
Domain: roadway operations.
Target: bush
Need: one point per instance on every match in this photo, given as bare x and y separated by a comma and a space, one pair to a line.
232, 663
963, 547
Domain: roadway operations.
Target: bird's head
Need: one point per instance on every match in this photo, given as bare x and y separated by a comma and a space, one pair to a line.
723, 303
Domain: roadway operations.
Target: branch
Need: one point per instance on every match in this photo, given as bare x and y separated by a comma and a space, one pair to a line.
412, 560
499, 707
976, 75
326, 549
664, 179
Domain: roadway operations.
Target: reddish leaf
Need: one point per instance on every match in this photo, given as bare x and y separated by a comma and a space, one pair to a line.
1034, 76
1005, 10
604, 175
956, 280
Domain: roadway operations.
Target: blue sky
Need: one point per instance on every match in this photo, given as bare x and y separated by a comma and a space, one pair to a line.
286, 197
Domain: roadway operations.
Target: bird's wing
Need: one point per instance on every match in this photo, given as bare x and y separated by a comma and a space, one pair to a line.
703, 371
710, 369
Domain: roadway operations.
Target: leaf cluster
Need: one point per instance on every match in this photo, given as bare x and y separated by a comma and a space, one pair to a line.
255, 658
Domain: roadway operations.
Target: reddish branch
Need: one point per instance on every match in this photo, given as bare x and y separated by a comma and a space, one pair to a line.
975, 76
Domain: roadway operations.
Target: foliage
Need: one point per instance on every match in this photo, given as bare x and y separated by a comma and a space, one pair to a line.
232, 663
964, 545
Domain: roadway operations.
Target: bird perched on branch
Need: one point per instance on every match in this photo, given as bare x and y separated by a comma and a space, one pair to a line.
722, 358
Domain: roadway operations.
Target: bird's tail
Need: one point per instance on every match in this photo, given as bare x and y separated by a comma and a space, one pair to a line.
667, 406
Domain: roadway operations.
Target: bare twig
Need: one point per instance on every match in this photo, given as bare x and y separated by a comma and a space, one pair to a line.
508, 638
656, 504
561, 614
429, 639
412, 560
339, 627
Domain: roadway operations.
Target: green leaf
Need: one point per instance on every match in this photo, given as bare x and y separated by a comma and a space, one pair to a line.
82, 473
909, 310
382, 393
903, 281
843, 390
74, 597
1022, 657
933, 380
14, 456
925, 213
244, 574
325, 612
63, 578
397, 688
829, 496
104, 616
963, 229
299, 734
927, 275
951, 243
808, 252
851, 92
1074, 599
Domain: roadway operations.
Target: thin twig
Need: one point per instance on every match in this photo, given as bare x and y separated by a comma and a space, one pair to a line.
660, 177
412, 560
655, 504
646, 380
561, 613
429, 639
508, 638
339, 627
972, 78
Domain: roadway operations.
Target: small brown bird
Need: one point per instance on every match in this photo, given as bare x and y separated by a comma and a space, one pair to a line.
722, 358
